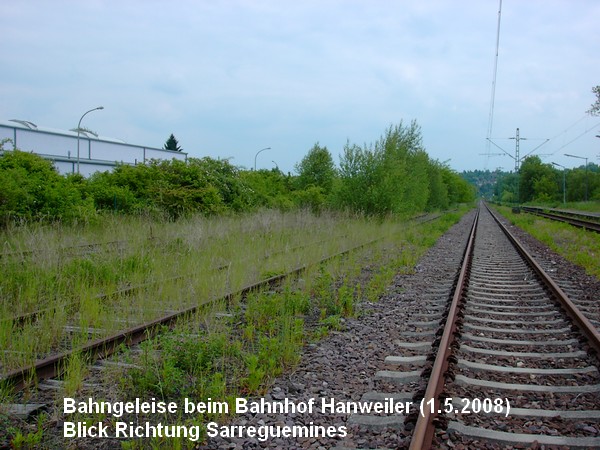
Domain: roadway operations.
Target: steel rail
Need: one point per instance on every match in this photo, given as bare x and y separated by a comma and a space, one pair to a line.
565, 212
424, 428
582, 322
579, 223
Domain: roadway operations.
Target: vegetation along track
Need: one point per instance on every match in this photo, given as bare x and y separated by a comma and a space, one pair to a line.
53, 365
517, 361
342, 367
385, 356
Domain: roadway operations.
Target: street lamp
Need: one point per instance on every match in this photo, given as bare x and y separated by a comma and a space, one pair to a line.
262, 150
586, 175
564, 183
79, 130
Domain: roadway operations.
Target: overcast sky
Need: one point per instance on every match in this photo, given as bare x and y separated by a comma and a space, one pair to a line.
229, 78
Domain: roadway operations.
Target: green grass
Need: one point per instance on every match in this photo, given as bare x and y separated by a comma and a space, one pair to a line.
590, 206
574, 244
177, 265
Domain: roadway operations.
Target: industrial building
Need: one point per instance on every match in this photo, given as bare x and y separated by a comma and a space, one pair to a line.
82, 152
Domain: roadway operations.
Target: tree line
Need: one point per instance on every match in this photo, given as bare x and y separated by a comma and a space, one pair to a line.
545, 183
394, 175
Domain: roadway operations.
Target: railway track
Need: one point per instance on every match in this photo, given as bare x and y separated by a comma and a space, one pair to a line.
580, 220
30, 317
517, 361
520, 371
52, 365
22, 319
69, 251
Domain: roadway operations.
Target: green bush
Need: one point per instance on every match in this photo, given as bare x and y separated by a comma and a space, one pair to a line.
267, 189
32, 189
312, 198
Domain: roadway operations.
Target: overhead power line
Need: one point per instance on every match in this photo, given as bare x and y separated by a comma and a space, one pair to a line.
493, 95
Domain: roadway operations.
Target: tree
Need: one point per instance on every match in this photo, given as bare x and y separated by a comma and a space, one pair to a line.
316, 169
172, 144
360, 175
438, 191
506, 187
538, 181
391, 176
595, 108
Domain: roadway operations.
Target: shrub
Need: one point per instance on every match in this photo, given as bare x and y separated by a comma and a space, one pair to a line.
32, 189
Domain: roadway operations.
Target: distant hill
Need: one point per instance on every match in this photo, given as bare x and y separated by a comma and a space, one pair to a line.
483, 180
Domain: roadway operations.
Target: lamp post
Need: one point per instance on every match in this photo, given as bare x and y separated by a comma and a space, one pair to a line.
586, 175
261, 150
564, 183
79, 131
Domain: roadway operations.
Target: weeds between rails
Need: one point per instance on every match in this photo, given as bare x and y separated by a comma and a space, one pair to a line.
51, 366
58, 316
71, 251
53, 283
29, 317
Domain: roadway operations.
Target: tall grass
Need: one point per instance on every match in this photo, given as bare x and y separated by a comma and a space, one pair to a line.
176, 264
576, 245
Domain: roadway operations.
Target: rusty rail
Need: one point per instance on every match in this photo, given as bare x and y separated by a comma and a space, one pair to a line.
573, 221
424, 428
582, 322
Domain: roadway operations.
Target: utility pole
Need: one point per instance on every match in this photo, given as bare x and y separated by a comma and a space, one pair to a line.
517, 157
564, 182
517, 166
491, 116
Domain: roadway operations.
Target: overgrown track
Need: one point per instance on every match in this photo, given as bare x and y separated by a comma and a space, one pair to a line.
580, 220
70, 251
517, 361
53, 365
23, 319
81, 250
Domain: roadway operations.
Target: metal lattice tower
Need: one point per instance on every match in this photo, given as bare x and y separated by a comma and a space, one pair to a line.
517, 156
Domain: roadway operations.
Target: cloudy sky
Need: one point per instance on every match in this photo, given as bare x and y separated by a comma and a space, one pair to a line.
229, 78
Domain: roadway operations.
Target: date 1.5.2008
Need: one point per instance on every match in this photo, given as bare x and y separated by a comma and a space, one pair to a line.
466, 406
